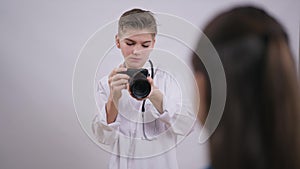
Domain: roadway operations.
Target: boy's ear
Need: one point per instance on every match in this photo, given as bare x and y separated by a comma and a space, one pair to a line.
117, 41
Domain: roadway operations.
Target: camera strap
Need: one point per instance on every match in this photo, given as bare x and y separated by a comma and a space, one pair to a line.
143, 105
152, 76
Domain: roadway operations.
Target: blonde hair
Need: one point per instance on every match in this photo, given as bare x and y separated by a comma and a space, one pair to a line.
137, 19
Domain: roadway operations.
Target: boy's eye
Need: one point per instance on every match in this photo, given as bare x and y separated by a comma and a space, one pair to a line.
145, 46
129, 44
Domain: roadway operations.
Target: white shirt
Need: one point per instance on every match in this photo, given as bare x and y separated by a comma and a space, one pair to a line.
143, 143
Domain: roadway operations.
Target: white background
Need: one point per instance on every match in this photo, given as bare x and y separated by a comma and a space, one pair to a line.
40, 41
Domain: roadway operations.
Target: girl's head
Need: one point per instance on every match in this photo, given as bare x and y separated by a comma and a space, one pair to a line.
260, 124
136, 36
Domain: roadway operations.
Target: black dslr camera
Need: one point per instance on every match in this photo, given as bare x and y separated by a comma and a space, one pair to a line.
139, 86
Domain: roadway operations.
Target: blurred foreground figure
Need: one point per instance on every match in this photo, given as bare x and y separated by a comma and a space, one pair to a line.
260, 125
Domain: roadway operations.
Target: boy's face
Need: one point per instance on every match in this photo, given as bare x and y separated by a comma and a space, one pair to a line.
135, 47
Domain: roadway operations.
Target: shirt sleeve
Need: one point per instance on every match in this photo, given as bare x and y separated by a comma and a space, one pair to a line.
177, 111
104, 133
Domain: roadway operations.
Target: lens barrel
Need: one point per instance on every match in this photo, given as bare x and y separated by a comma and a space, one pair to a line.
139, 85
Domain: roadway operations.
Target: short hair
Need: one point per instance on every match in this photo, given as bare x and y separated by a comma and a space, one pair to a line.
137, 19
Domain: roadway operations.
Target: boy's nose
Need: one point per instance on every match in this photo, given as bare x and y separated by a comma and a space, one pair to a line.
137, 50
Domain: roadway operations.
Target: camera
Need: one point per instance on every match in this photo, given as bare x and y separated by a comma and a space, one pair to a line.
139, 86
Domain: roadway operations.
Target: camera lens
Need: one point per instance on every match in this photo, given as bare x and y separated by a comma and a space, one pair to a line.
138, 83
140, 88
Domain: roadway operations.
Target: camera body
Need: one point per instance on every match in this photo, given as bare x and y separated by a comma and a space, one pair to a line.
139, 86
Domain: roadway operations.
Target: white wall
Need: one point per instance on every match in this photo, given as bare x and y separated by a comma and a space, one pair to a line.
40, 42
